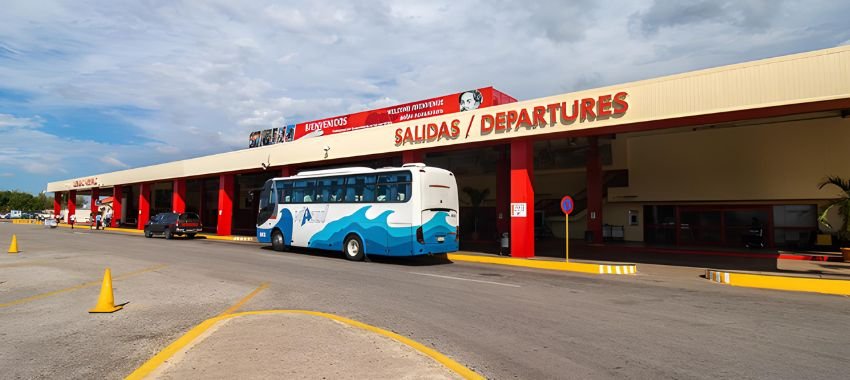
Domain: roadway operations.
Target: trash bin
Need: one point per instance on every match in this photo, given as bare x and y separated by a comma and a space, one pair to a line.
588, 236
505, 244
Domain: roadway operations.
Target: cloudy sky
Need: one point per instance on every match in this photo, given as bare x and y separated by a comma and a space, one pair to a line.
95, 86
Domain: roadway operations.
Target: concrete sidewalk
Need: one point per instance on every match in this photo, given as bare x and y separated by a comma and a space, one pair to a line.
297, 346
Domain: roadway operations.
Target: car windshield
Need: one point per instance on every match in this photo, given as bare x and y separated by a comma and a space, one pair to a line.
166, 217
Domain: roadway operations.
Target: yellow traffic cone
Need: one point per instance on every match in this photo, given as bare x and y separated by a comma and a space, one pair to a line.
106, 303
13, 248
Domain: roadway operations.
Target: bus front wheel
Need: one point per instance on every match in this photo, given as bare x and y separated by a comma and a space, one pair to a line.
277, 241
353, 248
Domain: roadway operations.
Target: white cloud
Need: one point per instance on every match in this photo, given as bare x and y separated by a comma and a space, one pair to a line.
112, 161
10, 121
7, 174
205, 74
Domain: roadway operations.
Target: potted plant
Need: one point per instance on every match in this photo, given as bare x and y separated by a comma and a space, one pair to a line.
842, 204
476, 198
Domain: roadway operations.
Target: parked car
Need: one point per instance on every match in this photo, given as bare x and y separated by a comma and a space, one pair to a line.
170, 224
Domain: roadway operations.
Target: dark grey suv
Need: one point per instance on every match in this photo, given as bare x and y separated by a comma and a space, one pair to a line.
170, 224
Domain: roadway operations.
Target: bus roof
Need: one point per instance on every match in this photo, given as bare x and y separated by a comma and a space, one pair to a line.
353, 170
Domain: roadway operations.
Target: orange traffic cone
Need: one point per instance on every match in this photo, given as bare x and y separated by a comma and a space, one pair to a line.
13, 248
106, 302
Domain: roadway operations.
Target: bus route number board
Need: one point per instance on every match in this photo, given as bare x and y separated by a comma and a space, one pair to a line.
519, 210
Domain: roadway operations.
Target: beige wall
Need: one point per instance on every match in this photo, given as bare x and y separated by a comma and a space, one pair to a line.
780, 163
795, 79
783, 161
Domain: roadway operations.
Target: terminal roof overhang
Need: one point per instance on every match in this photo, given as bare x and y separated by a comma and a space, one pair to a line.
799, 83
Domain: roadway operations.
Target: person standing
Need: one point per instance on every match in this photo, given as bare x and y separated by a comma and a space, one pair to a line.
98, 221
72, 219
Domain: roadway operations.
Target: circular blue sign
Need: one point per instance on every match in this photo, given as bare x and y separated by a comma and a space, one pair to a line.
567, 204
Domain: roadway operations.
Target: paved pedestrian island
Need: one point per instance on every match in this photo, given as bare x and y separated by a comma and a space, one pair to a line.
296, 346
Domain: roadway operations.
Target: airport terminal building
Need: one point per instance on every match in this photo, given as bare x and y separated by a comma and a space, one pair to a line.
686, 160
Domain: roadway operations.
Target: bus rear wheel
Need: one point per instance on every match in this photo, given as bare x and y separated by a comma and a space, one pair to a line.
352, 248
277, 241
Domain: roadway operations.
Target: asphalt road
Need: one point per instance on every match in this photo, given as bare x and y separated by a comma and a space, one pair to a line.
499, 321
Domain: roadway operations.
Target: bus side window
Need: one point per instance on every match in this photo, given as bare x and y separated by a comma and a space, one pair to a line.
360, 188
327, 189
303, 191
394, 187
284, 191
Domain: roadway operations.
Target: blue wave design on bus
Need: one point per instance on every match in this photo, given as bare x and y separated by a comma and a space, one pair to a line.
379, 238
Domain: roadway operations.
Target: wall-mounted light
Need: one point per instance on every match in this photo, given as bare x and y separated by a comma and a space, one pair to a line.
327, 148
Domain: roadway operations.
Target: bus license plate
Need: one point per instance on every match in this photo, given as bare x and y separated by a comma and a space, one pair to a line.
441, 239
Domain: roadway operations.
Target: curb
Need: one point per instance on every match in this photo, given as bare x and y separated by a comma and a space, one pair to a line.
249, 239
549, 265
776, 282
27, 221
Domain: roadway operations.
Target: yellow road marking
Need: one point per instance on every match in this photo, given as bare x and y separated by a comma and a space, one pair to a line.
239, 304
81, 286
194, 333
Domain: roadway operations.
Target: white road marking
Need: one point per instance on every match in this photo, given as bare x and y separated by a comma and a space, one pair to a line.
466, 279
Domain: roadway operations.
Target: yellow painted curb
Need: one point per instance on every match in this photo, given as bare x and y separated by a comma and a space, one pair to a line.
765, 281
27, 221
194, 333
549, 265
229, 238
136, 231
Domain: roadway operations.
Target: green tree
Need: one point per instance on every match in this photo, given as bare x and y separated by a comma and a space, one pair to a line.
19, 200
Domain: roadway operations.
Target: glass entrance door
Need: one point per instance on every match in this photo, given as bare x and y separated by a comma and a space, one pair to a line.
723, 225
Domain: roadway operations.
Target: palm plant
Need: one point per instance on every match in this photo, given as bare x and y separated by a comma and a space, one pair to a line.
842, 204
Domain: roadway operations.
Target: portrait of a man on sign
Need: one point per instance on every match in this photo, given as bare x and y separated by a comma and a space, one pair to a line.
470, 100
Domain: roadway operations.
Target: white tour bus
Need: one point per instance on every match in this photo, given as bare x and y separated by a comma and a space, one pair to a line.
412, 210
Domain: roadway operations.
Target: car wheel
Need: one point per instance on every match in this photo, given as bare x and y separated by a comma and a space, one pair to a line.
277, 241
352, 249
190, 236
148, 234
169, 234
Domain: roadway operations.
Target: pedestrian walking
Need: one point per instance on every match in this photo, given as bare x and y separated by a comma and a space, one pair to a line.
72, 219
98, 221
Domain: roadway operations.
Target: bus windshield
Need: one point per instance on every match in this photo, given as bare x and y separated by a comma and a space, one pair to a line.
268, 201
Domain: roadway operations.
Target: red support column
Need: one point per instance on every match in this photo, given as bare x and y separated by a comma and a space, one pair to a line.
57, 204
522, 196
225, 203
503, 191
72, 205
95, 196
594, 190
178, 197
412, 156
117, 198
144, 205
